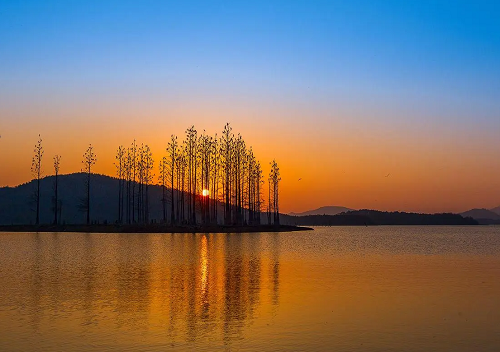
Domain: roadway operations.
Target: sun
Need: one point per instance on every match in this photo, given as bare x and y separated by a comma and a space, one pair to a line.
205, 192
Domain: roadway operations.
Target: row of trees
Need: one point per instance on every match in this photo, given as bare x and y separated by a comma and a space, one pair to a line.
201, 175
89, 160
135, 171
204, 179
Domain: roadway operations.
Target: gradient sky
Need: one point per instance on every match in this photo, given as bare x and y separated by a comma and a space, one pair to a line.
341, 93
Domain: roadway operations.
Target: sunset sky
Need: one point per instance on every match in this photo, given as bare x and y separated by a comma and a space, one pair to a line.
340, 93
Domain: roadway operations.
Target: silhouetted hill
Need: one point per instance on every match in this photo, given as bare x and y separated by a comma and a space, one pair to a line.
327, 210
483, 216
17, 206
496, 210
374, 217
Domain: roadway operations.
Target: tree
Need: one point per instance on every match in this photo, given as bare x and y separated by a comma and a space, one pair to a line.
215, 177
57, 206
89, 160
36, 170
128, 180
133, 168
172, 150
274, 179
226, 149
120, 172
148, 178
190, 145
163, 168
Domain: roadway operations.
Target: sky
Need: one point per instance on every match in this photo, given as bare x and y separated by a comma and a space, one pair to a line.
340, 93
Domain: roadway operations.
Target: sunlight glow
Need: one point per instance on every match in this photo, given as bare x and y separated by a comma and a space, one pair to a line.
205, 193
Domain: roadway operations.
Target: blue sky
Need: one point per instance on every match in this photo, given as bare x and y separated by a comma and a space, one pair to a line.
373, 50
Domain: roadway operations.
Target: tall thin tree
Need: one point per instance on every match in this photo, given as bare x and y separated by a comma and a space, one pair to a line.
275, 178
36, 170
148, 179
57, 162
133, 167
120, 172
89, 160
162, 177
172, 150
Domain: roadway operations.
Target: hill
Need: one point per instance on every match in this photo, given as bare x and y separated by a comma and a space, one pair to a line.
496, 210
17, 204
375, 217
17, 207
483, 216
327, 210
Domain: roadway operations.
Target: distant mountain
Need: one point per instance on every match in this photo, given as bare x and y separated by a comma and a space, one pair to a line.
328, 210
375, 217
482, 215
496, 210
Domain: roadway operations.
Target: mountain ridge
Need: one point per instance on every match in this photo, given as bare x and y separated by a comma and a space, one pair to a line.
496, 210
481, 214
16, 206
324, 210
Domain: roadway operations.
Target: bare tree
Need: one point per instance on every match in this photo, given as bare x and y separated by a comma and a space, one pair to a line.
163, 175
201, 174
226, 147
181, 167
36, 170
128, 180
133, 167
148, 178
215, 177
57, 206
89, 160
172, 150
274, 178
120, 172
190, 145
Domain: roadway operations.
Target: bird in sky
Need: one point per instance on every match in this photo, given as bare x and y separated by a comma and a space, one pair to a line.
387, 175
300, 178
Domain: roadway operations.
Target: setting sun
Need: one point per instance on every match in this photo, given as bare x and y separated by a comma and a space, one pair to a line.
205, 193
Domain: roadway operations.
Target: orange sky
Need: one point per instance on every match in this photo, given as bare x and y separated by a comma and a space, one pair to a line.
342, 159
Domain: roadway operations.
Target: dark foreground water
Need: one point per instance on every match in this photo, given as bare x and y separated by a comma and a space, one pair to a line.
333, 289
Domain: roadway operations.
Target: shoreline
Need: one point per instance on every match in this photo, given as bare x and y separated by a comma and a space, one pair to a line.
152, 228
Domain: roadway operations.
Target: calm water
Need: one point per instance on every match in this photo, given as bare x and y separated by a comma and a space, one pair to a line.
339, 288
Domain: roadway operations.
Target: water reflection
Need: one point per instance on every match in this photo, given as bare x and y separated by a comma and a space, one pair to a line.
189, 286
367, 289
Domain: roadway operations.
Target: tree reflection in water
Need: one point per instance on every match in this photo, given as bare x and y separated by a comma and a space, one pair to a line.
189, 287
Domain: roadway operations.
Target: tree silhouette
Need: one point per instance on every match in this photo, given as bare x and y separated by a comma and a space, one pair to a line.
215, 177
57, 205
89, 160
226, 148
120, 172
162, 177
133, 168
36, 170
201, 174
148, 178
128, 180
190, 145
172, 150
274, 179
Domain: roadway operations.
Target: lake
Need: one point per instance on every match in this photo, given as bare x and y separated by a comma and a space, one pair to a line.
388, 288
